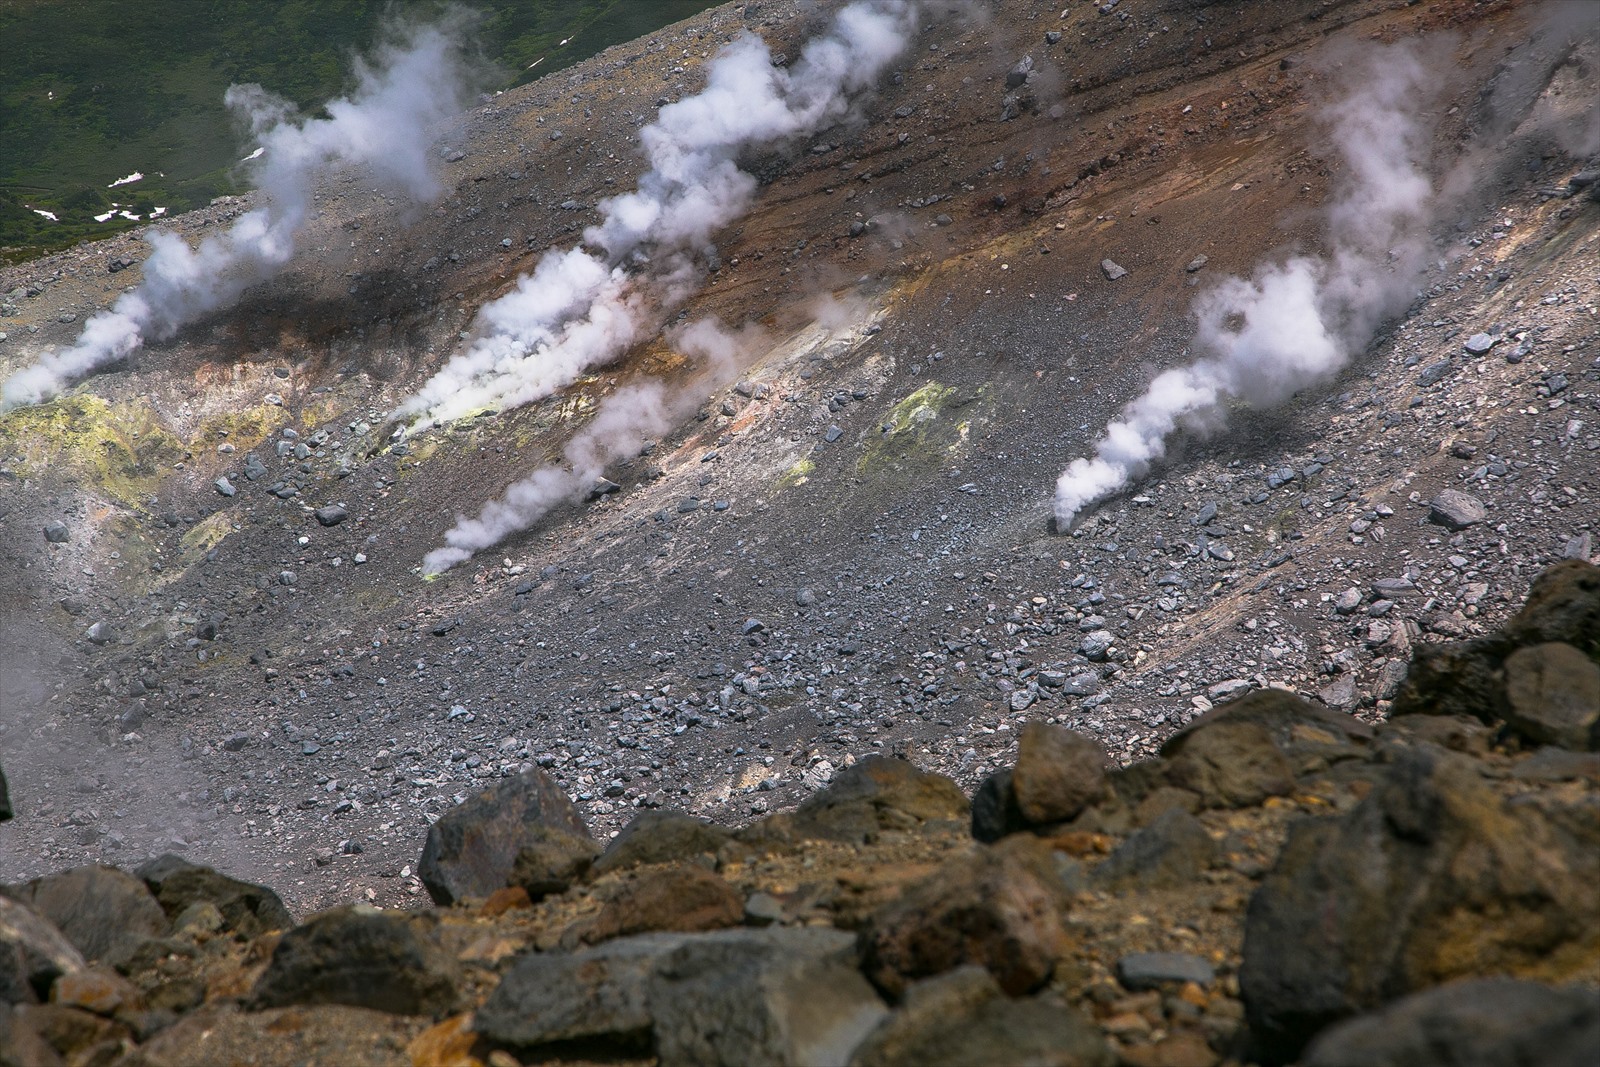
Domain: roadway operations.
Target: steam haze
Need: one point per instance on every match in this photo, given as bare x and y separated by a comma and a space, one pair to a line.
581, 309
411, 84
1298, 322
626, 420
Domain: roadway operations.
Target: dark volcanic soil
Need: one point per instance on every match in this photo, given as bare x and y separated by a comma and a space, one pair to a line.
897, 589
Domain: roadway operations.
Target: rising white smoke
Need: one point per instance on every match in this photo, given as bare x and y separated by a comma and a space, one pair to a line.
627, 419
1295, 323
580, 309
412, 83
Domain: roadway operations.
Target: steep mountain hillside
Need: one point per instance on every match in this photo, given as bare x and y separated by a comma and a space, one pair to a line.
841, 541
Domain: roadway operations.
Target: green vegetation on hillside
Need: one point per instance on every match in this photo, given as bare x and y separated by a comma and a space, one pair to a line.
92, 91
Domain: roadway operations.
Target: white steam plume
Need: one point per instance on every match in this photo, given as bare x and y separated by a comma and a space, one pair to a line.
412, 83
626, 420
1298, 322
580, 309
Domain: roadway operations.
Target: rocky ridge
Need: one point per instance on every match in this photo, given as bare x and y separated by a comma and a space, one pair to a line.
1282, 883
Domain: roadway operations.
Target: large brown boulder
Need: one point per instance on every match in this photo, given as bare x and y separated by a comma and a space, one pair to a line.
1001, 907
363, 958
874, 795
472, 850
1433, 876
1059, 773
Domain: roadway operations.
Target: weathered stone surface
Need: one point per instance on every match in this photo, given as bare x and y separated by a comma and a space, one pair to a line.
6, 811
1303, 731
926, 1006
74, 1035
662, 837
551, 861
101, 910
601, 992
1468, 677
962, 1017
1457, 510
879, 794
1553, 696
1231, 764
1001, 907
1058, 773
1481, 1023
247, 909
1431, 877
33, 953
1563, 605
471, 850
364, 958
311, 1034
680, 899
1171, 851
96, 989
776, 995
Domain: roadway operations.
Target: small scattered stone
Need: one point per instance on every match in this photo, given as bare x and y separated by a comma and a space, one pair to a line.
1139, 971
1457, 510
1113, 270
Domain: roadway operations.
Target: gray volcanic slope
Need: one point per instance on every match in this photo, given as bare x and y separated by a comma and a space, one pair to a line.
845, 546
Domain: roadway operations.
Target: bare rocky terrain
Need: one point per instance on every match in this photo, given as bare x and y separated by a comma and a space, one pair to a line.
847, 555
977, 787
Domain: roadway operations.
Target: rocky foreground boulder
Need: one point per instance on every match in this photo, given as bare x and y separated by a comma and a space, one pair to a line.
1285, 883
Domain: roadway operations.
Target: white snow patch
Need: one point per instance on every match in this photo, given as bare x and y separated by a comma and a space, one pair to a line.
105, 217
254, 155
136, 176
130, 216
51, 215
157, 212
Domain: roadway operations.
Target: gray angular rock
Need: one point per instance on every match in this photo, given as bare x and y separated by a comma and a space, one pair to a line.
1112, 269
331, 515
33, 953
472, 849
1481, 1023
223, 486
104, 912
364, 958
769, 996
56, 533
1553, 696
1431, 877
1139, 971
1479, 343
994, 808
